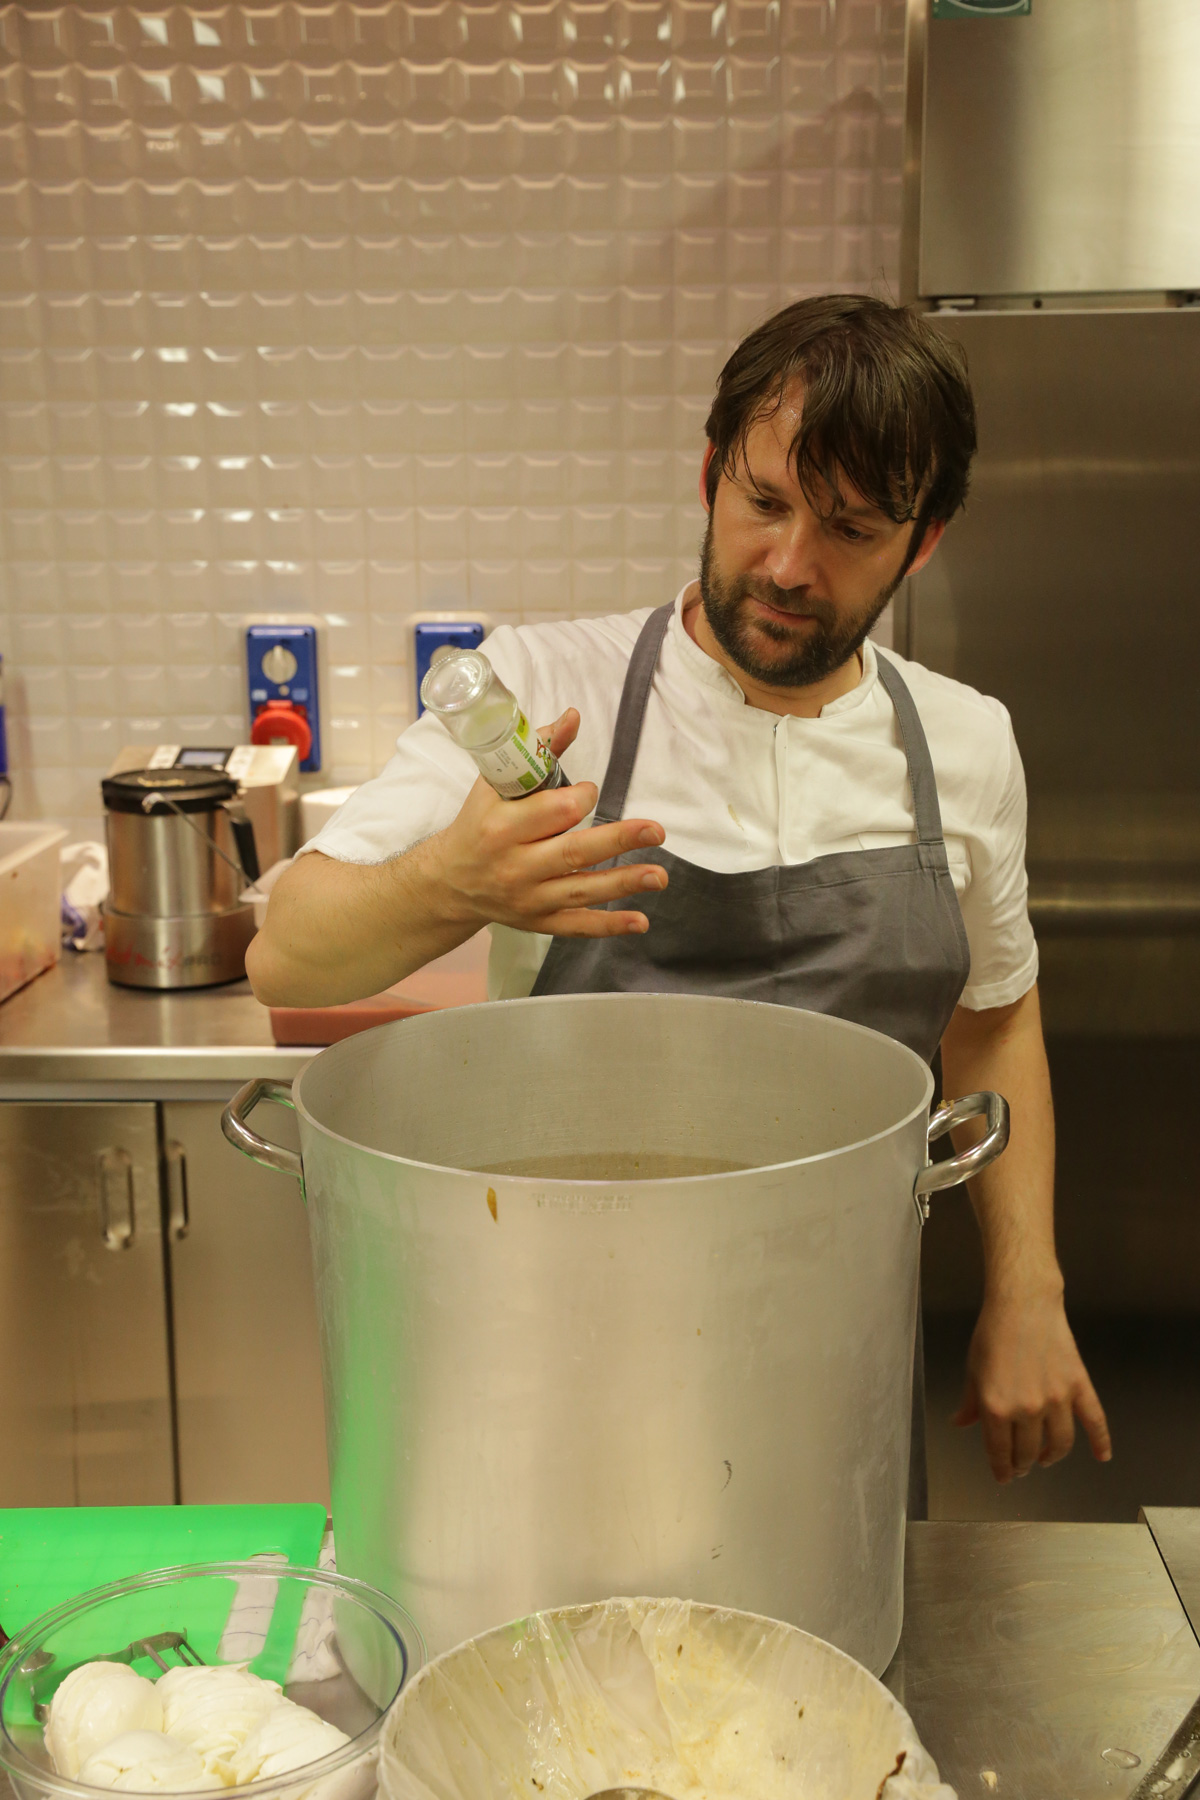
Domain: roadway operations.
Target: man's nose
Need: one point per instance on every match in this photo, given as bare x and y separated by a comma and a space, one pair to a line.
792, 558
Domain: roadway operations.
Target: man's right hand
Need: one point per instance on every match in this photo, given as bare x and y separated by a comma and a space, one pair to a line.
338, 930
522, 862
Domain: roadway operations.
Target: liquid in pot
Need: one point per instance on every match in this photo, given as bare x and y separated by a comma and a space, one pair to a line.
612, 1165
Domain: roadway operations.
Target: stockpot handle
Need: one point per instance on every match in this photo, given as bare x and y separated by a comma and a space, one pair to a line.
993, 1107
258, 1149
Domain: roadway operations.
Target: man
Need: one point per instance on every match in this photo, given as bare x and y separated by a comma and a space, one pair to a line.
781, 811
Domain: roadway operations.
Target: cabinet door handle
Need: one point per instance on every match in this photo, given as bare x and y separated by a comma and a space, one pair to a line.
116, 1198
178, 1218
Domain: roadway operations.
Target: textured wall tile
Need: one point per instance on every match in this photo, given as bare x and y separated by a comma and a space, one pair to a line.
442, 585
355, 308
350, 688
387, 724
493, 587
343, 585
494, 532
394, 587
545, 587
389, 639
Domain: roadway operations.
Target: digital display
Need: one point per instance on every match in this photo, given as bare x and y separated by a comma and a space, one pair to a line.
201, 759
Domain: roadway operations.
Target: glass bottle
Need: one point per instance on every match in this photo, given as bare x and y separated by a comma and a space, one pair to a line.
464, 691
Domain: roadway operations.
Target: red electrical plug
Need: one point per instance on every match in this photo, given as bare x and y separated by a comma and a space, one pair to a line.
283, 722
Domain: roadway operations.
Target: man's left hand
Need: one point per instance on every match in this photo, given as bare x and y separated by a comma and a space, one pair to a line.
1026, 1386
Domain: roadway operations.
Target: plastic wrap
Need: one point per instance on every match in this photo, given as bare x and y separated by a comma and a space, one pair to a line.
701, 1703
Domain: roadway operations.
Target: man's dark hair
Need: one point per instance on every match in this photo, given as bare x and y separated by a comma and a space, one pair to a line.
886, 399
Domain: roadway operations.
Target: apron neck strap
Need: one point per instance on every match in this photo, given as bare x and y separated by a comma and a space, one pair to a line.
922, 780
639, 678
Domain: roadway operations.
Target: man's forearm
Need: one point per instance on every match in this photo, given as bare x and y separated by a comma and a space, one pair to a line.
1026, 1383
1013, 1199
337, 931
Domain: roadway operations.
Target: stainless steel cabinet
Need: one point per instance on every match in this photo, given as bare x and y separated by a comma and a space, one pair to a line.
1059, 149
249, 1409
96, 1316
85, 1403
1042, 594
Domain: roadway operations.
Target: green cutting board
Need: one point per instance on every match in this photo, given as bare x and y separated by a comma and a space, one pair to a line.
49, 1555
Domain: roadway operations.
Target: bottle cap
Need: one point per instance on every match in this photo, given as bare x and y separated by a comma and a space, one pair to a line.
456, 681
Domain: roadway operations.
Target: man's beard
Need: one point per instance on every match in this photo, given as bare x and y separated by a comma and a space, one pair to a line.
828, 642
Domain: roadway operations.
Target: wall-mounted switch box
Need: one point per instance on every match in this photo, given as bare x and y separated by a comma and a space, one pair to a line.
432, 635
281, 666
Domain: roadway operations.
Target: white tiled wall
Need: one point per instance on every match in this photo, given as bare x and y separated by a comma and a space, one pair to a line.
347, 310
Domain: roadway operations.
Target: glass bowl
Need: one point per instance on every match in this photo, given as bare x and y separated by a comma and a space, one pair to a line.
335, 1645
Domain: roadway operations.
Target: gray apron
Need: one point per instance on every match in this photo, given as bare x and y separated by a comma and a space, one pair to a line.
875, 936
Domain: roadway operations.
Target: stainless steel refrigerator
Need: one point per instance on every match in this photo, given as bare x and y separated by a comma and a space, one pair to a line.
1052, 226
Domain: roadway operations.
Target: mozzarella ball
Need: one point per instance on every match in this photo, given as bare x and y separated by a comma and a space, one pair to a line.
214, 1709
141, 1761
288, 1738
95, 1704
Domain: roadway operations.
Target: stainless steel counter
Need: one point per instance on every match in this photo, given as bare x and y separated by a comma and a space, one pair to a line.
1047, 1661
72, 1034
1039, 1661
1176, 1531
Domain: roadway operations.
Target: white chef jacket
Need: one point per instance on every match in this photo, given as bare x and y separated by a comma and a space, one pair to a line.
733, 786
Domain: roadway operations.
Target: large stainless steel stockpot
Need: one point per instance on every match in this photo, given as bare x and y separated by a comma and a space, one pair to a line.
545, 1387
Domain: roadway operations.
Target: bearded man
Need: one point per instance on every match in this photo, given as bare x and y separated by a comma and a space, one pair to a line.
762, 803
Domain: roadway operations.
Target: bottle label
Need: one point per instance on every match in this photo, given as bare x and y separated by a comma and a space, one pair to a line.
517, 766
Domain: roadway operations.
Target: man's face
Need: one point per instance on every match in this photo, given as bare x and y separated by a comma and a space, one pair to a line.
790, 594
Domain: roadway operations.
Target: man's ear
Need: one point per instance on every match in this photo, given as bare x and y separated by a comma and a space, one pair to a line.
929, 543
704, 467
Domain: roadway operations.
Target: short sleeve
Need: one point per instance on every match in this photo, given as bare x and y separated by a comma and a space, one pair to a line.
995, 904
417, 793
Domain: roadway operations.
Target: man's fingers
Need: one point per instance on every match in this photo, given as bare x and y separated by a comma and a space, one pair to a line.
540, 816
562, 734
1091, 1416
550, 819
998, 1442
1027, 1435
574, 851
968, 1412
590, 888
585, 922
1059, 1434
1028, 1384
599, 843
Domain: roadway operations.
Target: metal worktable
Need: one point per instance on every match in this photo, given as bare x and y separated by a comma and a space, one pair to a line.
1050, 1661
73, 1034
1038, 1661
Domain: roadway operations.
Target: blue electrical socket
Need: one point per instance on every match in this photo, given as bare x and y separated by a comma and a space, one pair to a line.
430, 636
281, 666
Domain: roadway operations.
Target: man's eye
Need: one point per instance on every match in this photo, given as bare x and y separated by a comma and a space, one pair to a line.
762, 505
852, 534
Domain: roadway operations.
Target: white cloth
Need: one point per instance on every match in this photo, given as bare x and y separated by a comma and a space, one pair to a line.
83, 870
735, 787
